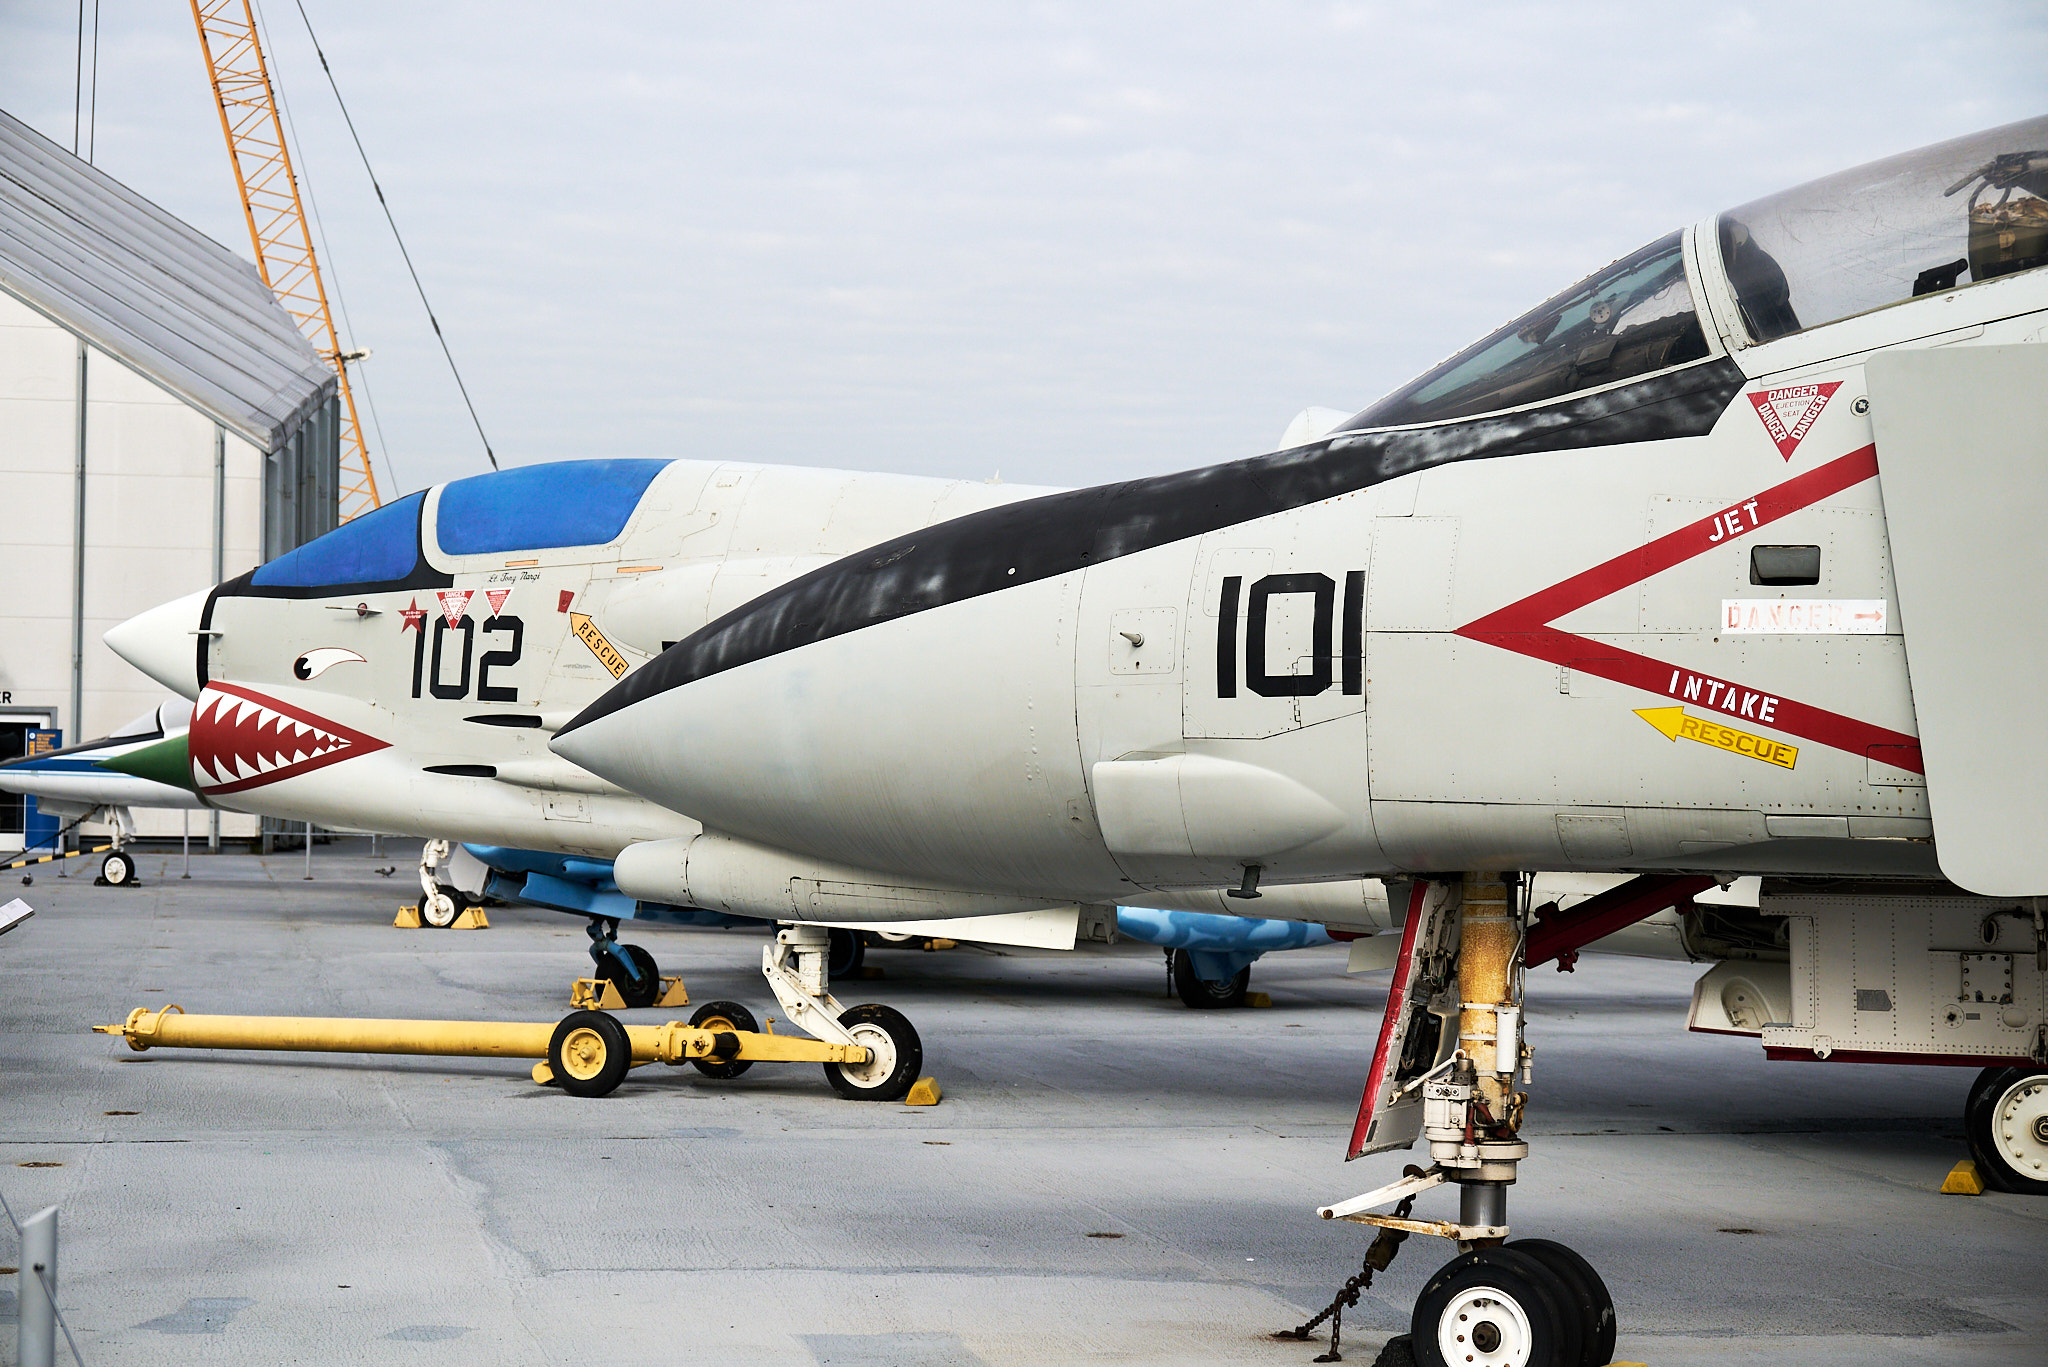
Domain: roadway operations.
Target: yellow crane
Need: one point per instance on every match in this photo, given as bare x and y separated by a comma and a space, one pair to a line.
276, 217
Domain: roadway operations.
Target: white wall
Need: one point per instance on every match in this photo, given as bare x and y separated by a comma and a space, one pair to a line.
149, 523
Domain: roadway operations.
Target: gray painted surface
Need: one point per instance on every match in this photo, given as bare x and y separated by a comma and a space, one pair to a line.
1741, 1211
1962, 434
152, 291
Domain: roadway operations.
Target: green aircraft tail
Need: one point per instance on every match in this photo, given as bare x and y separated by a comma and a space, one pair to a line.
169, 762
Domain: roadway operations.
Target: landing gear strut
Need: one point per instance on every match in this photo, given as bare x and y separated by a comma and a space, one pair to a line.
1532, 1302
440, 903
796, 964
629, 968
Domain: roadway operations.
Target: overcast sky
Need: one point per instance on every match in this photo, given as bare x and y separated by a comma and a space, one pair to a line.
1069, 243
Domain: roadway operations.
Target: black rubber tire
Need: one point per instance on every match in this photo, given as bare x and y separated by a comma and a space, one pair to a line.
1204, 996
1508, 1275
1985, 1078
724, 1016
456, 901
901, 1072
848, 950
118, 869
1583, 1291
644, 990
1396, 1353
1993, 1086
600, 1072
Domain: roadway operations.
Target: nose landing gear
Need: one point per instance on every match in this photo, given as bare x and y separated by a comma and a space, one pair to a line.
1529, 1303
630, 969
797, 964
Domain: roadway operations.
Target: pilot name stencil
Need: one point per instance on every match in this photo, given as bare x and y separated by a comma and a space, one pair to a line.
1789, 414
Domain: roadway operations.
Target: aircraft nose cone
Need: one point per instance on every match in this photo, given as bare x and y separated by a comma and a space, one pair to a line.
164, 643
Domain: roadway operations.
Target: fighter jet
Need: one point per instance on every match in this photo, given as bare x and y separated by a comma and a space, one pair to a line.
1717, 563
74, 782
401, 673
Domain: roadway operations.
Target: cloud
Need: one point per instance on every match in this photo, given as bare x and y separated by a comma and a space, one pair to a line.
1075, 243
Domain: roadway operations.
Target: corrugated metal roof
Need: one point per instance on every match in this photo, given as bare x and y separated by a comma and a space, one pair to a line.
153, 291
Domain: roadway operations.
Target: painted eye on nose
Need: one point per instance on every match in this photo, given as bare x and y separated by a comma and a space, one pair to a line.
317, 662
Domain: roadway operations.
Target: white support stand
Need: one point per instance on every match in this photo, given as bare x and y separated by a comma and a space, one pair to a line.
795, 967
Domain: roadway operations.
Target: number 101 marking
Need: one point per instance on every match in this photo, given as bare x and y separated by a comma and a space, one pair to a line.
1323, 590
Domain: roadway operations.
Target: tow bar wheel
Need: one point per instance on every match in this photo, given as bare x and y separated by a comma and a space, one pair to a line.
589, 1053
728, 1017
2006, 1121
895, 1054
1492, 1307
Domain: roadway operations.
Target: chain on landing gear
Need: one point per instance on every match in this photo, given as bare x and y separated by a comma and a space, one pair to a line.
1532, 1302
797, 966
1378, 1258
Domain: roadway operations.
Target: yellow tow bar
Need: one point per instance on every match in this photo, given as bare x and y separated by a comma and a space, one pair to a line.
588, 1052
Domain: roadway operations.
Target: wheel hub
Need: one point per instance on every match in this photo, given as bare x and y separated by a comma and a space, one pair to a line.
881, 1056
1484, 1327
2019, 1127
583, 1054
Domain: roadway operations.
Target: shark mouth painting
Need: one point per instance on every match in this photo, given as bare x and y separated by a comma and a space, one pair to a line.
242, 739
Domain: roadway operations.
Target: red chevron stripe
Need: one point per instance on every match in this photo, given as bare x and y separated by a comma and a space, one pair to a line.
1524, 626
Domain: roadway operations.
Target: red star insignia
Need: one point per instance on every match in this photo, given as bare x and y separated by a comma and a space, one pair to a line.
415, 617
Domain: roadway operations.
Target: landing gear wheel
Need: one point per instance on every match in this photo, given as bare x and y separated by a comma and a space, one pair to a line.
848, 949
440, 910
1584, 1293
2006, 1123
1205, 996
589, 1053
724, 1016
634, 991
117, 869
1494, 1307
895, 1055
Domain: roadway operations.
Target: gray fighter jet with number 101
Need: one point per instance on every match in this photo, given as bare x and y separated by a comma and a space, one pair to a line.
1722, 562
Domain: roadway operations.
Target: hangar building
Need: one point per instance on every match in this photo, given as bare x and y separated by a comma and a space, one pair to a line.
163, 426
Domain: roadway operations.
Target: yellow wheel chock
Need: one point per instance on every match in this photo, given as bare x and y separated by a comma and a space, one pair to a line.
601, 994
588, 1039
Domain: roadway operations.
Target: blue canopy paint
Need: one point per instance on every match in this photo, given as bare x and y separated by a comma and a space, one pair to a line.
535, 507
373, 549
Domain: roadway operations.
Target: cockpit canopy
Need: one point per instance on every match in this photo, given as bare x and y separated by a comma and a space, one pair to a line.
1889, 231
1632, 318
1830, 249
531, 507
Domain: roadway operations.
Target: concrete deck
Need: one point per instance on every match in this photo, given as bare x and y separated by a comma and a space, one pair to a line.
293, 1208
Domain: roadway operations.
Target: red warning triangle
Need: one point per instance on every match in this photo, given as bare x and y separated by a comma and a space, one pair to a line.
1788, 414
454, 603
497, 597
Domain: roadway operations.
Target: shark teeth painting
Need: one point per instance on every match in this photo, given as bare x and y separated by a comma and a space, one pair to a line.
243, 739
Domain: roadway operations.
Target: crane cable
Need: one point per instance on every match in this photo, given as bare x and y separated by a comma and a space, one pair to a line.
399, 238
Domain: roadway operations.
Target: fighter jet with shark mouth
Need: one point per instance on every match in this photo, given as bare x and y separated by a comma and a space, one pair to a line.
1720, 562
402, 673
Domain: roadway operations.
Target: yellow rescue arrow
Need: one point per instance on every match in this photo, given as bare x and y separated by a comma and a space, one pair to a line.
1674, 724
586, 631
